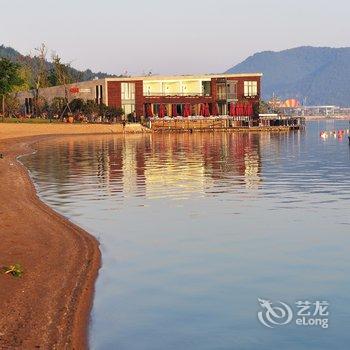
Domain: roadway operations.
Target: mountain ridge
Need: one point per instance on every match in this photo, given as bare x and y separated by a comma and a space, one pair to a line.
79, 75
313, 75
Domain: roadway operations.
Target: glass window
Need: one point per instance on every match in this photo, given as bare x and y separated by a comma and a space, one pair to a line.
128, 109
250, 88
128, 91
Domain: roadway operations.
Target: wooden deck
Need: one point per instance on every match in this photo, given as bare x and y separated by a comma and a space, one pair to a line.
190, 125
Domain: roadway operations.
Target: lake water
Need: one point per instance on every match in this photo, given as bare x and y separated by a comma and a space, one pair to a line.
194, 228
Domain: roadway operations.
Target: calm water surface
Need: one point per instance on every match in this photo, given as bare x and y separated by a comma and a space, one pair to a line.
195, 228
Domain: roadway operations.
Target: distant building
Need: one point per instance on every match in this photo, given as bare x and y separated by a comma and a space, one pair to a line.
320, 111
166, 95
316, 111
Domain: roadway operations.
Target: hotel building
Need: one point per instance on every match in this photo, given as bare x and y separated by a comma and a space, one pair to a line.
153, 96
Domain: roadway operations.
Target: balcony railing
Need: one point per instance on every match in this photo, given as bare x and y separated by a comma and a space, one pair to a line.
172, 94
226, 96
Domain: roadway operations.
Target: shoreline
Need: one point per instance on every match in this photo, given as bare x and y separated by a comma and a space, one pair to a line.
50, 305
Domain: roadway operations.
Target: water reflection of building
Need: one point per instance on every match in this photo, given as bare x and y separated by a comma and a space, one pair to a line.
158, 164
181, 164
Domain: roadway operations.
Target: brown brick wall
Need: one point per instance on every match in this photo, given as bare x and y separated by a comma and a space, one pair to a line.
114, 94
139, 98
213, 88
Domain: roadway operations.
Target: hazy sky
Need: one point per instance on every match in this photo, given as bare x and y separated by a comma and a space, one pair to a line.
179, 36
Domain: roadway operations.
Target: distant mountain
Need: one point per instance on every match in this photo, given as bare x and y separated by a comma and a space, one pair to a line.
313, 75
13, 55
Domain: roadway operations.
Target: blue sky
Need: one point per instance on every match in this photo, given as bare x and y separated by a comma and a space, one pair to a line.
182, 36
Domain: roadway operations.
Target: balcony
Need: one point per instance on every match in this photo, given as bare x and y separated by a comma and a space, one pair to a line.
176, 94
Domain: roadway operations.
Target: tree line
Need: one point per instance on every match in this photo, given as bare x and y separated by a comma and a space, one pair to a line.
34, 72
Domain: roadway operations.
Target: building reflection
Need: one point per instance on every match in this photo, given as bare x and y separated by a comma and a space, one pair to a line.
155, 165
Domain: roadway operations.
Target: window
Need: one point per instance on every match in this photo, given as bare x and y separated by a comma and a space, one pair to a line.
128, 91
232, 90
250, 88
206, 88
156, 109
128, 109
221, 91
28, 105
98, 94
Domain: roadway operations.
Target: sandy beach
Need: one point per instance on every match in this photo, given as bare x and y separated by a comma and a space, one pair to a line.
49, 306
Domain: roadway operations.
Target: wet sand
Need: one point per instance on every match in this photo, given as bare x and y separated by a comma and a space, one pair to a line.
49, 306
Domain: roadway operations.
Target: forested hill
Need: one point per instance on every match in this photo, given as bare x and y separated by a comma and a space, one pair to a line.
314, 75
13, 55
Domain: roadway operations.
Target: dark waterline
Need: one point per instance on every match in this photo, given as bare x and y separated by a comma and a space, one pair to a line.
195, 228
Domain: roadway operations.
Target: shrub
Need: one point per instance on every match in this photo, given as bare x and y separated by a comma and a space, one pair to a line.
13, 270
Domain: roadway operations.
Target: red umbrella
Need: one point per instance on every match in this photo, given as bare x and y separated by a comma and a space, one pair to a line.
242, 109
149, 111
215, 109
250, 109
202, 109
206, 110
232, 109
239, 109
186, 111
161, 113
174, 110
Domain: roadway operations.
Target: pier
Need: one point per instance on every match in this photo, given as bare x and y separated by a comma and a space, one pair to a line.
237, 124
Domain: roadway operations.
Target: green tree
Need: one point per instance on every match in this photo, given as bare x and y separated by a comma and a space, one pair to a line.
57, 106
91, 108
35, 71
9, 79
60, 74
13, 106
77, 105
